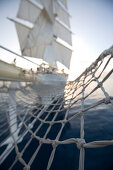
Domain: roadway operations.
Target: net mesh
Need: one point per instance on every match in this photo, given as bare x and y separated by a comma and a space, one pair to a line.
28, 127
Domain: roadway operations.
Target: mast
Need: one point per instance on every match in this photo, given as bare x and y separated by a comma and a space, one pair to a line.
44, 31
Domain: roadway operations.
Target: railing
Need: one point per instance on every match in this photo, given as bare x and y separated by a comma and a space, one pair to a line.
39, 68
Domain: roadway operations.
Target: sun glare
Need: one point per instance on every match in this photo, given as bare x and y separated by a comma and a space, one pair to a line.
81, 57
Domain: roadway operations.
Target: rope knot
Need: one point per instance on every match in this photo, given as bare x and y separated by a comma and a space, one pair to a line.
80, 143
18, 156
100, 84
32, 136
51, 123
27, 167
41, 141
54, 144
107, 100
64, 122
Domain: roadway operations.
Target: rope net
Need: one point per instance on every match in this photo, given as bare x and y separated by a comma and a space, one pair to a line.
29, 127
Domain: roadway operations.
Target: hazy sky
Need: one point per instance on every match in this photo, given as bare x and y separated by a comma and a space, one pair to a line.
92, 20
91, 23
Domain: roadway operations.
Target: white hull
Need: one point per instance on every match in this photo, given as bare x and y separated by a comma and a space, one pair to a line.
50, 85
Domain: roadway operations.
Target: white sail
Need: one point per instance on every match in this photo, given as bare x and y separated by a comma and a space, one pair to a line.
49, 55
61, 12
64, 2
63, 32
29, 10
23, 33
50, 19
39, 37
48, 6
63, 52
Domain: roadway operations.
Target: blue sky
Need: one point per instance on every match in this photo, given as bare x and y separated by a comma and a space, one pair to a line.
8, 36
91, 23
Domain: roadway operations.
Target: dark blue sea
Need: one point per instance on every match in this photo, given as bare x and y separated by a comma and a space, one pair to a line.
98, 126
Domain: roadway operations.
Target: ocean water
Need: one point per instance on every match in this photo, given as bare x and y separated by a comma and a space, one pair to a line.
98, 126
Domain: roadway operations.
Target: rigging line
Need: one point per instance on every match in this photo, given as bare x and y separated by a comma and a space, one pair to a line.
82, 150
4, 48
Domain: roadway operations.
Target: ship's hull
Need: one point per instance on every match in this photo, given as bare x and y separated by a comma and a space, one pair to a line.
51, 85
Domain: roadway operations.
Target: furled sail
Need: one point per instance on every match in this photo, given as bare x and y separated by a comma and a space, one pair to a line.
47, 20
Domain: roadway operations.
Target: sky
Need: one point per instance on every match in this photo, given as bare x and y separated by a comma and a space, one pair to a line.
91, 24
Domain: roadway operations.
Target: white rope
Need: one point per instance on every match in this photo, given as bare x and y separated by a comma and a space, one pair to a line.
82, 151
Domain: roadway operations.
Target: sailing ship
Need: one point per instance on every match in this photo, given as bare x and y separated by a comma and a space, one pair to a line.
44, 33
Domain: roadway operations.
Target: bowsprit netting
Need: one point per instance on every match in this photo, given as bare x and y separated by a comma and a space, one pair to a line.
25, 122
